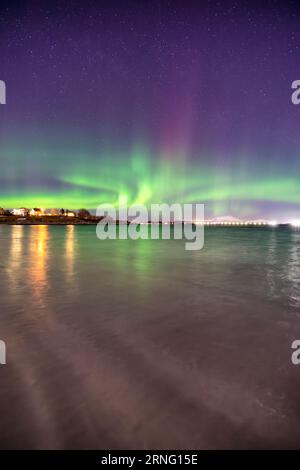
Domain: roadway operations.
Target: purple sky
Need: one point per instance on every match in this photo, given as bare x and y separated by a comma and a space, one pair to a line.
207, 84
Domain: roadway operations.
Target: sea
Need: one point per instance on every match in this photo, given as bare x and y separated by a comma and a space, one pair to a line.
141, 344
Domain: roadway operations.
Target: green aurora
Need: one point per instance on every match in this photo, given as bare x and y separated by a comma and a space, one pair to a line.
86, 179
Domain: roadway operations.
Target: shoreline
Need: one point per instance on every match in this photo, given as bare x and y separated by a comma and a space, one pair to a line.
63, 220
46, 220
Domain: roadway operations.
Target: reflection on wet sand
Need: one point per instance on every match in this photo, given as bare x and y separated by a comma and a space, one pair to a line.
293, 270
272, 253
143, 345
282, 267
15, 258
69, 252
37, 268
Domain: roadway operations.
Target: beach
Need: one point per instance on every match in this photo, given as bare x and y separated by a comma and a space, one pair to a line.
142, 345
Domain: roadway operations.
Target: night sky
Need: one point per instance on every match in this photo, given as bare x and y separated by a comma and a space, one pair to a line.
153, 101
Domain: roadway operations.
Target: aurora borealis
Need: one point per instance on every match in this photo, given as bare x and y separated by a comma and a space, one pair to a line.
153, 101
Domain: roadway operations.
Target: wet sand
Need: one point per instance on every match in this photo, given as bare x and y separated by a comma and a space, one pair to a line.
142, 345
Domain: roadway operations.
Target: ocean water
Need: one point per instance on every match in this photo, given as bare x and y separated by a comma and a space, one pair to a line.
143, 345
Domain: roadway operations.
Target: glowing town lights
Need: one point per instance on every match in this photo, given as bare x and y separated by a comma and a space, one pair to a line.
273, 223
295, 223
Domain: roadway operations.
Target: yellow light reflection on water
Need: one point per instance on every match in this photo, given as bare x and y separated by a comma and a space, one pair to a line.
39, 236
69, 251
15, 258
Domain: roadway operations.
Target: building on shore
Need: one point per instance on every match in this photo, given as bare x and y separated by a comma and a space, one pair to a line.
54, 212
70, 213
22, 212
36, 211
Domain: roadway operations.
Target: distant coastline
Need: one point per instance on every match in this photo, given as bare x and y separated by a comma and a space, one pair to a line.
55, 216
47, 220
93, 220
